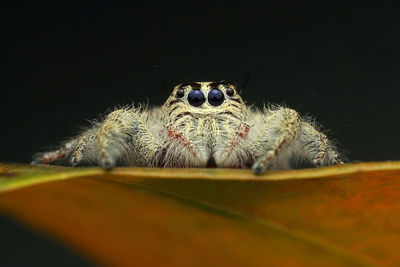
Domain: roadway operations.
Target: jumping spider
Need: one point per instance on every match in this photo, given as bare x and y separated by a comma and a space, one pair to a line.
202, 124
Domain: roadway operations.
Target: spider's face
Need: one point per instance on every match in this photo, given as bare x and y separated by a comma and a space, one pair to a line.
205, 98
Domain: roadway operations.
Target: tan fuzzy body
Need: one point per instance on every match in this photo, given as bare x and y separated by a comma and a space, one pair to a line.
197, 136
202, 124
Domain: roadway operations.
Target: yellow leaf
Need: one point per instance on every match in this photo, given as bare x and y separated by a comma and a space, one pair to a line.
334, 216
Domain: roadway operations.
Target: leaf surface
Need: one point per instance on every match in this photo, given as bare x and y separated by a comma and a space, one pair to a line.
334, 216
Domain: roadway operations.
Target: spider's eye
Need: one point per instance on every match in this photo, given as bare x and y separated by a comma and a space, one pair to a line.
230, 92
215, 97
196, 98
180, 93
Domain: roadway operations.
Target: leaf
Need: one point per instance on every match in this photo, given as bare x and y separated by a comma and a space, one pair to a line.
342, 215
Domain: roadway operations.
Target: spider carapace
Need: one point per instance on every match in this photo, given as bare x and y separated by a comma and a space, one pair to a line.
202, 124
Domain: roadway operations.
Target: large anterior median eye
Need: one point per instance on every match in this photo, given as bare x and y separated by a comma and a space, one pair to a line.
215, 97
196, 98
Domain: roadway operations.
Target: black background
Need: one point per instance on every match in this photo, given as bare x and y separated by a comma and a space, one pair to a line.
336, 62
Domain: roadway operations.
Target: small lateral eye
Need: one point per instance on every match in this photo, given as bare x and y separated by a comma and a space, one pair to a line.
230, 91
180, 93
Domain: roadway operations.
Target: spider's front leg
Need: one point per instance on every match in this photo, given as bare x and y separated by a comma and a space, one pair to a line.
285, 141
281, 127
124, 137
121, 138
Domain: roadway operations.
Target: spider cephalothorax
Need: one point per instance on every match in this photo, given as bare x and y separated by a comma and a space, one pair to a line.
208, 119
202, 124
